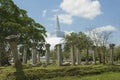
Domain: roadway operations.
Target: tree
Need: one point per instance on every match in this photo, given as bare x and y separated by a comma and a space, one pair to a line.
14, 21
81, 40
101, 40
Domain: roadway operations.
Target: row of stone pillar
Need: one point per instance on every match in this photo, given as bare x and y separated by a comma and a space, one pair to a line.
87, 54
59, 54
13, 45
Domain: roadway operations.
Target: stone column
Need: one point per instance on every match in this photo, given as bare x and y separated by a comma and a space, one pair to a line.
25, 54
38, 57
103, 54
47, 54
0, 55
54, 57
78, 54
72, 53
59, 54
87, 55
34, 55
111, 53
12, 39
94, 54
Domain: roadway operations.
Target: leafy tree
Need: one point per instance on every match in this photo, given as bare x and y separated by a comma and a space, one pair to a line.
14, 21
79, 39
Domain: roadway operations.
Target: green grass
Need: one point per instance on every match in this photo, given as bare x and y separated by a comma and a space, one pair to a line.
104, 76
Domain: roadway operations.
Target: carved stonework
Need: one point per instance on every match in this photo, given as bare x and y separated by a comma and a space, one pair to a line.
111, 46
11, 38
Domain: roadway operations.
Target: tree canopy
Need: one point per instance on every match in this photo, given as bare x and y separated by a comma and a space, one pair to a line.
15, 21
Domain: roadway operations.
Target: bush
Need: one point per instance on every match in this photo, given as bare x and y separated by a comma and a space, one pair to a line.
47, 73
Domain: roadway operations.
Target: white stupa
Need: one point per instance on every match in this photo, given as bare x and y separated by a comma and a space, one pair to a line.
57, 36
57, 32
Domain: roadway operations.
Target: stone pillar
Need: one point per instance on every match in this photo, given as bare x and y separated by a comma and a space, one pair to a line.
87, 55
72, 53
59, 54
111, 53
34, 55
103, 54
12, 39
0, 55
78, 54
38, 57
25, 54
54, 57
47, 54
94, 54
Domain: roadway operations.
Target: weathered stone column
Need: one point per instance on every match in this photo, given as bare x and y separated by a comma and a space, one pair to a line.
78, 54
111, 53
72, 53
38, 56
54, 58
103, 54
59, 54
87, 55
47, 54
25, 54
0, 56
34, 55
94, 54
12, 39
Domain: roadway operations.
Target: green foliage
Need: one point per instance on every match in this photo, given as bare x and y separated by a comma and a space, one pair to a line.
79, 40
15, 21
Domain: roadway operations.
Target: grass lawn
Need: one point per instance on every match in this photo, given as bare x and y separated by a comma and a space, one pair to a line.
53, 72
104, 76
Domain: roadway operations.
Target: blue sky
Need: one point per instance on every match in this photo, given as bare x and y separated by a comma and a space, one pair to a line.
75, 15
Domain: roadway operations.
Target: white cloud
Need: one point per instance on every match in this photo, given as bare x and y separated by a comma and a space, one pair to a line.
81, 8
93, 33
44, 13
64, 18
104, 28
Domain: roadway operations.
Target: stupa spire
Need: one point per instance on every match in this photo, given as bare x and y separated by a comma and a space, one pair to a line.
57, 27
